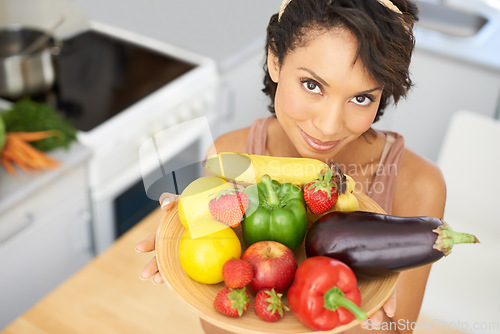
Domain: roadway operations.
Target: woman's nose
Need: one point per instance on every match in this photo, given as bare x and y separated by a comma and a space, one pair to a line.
329, 119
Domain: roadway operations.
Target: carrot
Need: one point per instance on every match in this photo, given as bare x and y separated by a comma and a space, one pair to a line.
39, 159
20, 160
27, 168
18, 152
32, 136
8, 166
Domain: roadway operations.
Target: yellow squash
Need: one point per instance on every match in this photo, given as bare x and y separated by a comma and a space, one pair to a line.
249, 168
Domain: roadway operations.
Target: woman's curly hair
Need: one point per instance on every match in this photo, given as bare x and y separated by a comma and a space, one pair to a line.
385, 38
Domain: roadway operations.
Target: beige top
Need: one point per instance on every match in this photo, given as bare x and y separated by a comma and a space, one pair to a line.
384, 181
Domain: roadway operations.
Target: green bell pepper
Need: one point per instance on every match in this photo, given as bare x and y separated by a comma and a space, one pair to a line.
276, 212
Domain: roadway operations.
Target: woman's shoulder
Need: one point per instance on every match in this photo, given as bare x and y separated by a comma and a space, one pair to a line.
420, 187
233, 141
237, 140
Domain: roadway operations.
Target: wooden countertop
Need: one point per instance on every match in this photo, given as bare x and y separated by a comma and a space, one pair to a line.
107, 296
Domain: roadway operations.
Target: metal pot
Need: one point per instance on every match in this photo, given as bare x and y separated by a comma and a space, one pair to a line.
24, 74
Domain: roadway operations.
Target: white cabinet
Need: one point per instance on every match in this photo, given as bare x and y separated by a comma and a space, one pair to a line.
442, 86
43, 240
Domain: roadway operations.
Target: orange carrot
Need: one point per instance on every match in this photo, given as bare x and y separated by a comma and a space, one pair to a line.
32, 136
28, 169
34, 156
12, 158
16, 155
18, 152
8, 166
46, 160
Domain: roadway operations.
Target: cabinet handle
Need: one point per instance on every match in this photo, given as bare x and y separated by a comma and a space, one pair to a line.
29, 220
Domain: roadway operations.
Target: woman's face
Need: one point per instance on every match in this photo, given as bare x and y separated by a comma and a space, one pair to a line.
325, 98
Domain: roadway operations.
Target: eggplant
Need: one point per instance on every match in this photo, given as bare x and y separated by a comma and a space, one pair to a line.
376, 245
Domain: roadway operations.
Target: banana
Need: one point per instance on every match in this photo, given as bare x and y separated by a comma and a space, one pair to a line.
249, 168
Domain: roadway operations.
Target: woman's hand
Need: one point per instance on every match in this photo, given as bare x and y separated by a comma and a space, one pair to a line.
167, 202
388, 310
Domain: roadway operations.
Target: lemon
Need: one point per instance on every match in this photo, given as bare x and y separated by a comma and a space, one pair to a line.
193, 202
202, 258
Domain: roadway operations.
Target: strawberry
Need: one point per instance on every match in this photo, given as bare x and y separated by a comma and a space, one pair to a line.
229, 206
321, 194
269, 306
237, 273
232, 302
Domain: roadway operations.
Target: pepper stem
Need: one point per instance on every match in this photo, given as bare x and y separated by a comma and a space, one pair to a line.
335, 298
272, 198
447, 238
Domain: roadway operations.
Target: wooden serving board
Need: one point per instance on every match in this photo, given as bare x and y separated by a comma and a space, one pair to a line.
200, 296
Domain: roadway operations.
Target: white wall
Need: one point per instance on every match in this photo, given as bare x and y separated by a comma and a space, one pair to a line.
40, 14
442, 87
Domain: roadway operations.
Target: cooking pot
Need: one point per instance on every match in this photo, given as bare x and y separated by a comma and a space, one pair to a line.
21, 73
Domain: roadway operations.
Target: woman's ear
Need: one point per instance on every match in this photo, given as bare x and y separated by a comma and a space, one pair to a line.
273, 66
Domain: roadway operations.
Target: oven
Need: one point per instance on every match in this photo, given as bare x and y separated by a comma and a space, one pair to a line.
167, 162
124, 91
176, 88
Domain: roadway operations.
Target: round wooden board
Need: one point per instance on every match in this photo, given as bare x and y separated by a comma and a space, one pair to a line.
201, 296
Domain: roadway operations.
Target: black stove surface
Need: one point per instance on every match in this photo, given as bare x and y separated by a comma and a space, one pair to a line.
98, 76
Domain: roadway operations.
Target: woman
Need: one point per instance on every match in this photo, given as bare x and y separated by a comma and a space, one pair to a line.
332, 67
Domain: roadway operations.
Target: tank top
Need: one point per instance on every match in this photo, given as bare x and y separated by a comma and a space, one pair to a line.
384, 181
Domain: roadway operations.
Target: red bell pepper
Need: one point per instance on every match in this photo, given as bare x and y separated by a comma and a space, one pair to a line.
324, 294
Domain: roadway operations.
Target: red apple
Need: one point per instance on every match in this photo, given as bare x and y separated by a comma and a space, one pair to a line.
273, 263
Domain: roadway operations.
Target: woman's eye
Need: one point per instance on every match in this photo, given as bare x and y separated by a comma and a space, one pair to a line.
311, 86
362, 100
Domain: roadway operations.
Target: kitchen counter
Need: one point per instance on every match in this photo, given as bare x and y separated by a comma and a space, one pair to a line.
107, 296
15, 189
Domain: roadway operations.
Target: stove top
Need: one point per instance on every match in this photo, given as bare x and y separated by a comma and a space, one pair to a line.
98, 76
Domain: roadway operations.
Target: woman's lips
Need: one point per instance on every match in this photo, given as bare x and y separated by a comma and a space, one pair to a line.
317, 144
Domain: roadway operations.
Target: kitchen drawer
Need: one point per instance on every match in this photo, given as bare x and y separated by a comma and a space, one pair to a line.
43, 255
43, 201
